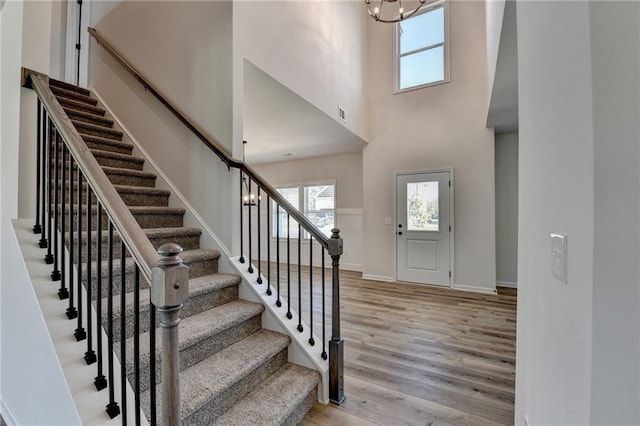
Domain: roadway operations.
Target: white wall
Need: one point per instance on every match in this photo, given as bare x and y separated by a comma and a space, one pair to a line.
553, 361
507, 209
615, 368
190, 61
58, 39
346, 170
494, 14
313, 48
437, 127
30, 374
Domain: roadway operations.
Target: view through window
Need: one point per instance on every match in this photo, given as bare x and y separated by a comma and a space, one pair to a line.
421, 53
316, 201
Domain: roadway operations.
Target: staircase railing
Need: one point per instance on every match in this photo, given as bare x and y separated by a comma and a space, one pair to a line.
332, 245
72, 191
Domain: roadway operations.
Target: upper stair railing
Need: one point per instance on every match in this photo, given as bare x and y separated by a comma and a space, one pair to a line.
76, 206
278, 205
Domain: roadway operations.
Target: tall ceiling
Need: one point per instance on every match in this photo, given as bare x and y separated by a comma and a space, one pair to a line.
279, 125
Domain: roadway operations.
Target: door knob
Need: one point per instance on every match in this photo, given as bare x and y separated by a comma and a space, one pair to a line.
400, 233
399, 225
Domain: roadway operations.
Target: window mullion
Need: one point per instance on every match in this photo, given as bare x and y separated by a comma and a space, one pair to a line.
422, 49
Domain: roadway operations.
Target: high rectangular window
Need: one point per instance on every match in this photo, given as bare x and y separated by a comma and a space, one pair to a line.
421, 49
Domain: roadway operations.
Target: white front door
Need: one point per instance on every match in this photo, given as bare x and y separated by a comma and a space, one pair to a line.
423, 233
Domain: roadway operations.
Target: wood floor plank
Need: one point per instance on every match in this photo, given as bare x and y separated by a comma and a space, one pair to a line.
415, 354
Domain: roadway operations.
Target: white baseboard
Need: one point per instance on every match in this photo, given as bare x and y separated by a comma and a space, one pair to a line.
475, 289
351, 267
7, 415
377, 278
506, 284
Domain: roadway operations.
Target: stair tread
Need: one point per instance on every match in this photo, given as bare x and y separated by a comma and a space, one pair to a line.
68, 86
91, 126
274, 400
129, 172
116, 155
106, 141
61, 92
150, 232
211, 377
127, 189
87, 114
81, 106
203, 325
134, 209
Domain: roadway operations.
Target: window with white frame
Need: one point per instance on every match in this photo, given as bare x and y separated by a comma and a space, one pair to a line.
421, 49
316, 201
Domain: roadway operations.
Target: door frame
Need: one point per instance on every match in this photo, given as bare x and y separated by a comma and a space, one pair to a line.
394, 220
72, 39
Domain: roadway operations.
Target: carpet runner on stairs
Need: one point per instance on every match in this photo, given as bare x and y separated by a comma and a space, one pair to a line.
233, 372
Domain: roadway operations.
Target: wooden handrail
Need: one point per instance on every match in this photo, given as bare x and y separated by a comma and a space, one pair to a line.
130, 231
212, 143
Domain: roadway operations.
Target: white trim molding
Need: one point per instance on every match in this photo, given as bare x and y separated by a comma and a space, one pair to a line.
378, 278
506, 284
474, 289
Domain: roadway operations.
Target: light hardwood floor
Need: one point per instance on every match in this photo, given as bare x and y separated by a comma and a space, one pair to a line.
419, 355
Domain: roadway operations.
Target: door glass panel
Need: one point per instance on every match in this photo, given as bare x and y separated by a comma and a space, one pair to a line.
422, 206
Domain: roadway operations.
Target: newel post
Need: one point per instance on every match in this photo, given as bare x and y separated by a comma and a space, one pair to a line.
169, 290
336, 345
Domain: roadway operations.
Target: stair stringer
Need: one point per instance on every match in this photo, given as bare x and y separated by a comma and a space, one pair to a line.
273, 318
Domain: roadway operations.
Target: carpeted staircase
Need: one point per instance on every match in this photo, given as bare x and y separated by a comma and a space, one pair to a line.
233, 372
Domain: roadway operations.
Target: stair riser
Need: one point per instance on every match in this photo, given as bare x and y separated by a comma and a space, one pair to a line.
192, 355
194, 305
186, 242
89, 118
130, 199
146, 221
215, 407
81, 106
302, 409
102, 132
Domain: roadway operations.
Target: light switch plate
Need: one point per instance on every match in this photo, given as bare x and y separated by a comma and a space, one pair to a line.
387, 221
558, 254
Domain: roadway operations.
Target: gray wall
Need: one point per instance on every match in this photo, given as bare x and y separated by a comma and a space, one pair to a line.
507, 209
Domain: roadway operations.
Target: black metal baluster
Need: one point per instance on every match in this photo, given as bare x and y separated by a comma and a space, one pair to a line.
300, 328
289, 315
48, 258
80, 332
278, 301
90, 355
43, 176
311, 340
268, 245
259, 280
100, 381
152, 364
63, 293
55, 275
324, 315
112, 408
36, 227
123, 330
136, 340
71, 310
242, 221
249, 202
